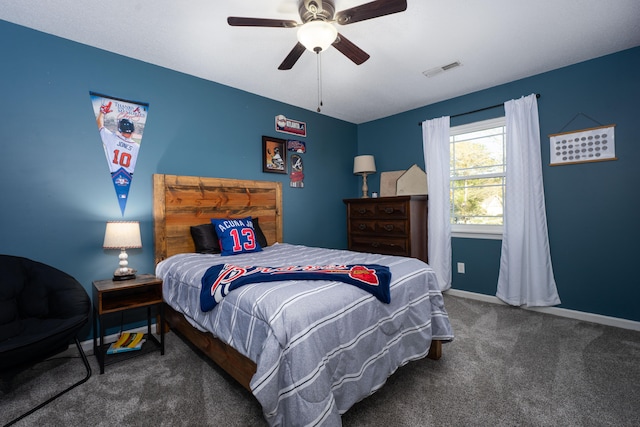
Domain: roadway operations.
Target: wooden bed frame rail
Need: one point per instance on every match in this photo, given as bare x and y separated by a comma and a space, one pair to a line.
228, 358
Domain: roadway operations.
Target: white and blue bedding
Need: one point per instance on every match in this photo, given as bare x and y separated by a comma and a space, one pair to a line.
319, 346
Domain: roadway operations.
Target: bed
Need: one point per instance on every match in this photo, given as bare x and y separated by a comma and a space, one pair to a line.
306, 356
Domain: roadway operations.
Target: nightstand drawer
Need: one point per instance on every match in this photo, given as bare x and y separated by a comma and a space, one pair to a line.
110, 296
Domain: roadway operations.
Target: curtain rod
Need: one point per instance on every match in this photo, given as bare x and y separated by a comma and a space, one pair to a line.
480, 109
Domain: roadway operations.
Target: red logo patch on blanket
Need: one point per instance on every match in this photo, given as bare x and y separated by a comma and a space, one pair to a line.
363, 273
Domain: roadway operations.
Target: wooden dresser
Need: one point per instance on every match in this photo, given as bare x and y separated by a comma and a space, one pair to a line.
388, 225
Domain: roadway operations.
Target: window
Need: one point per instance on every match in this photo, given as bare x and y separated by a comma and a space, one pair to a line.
477, 178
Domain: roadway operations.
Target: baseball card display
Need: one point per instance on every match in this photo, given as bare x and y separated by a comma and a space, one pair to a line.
121, 125
586, 145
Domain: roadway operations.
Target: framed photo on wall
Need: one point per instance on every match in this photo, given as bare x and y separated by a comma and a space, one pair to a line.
274, 155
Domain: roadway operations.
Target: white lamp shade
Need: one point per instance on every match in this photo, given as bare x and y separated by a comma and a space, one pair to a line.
364, 164
316, 35
122, 235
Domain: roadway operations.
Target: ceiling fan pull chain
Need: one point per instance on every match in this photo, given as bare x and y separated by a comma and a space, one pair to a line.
319, 80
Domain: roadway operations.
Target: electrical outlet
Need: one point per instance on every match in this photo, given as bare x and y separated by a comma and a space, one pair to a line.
461, 267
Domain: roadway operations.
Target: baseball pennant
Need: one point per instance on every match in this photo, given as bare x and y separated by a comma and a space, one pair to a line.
121, 125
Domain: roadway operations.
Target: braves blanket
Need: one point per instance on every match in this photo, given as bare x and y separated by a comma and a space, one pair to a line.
221, 279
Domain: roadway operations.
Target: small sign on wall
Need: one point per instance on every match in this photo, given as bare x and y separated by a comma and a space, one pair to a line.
586, 145
290, 126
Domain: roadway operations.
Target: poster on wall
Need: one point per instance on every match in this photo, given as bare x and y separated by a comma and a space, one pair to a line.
121, 125
274, 155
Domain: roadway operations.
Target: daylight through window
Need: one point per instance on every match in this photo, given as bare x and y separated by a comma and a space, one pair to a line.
477, 185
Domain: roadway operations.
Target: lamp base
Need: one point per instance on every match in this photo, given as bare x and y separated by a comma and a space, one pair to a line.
365, 187
120, 275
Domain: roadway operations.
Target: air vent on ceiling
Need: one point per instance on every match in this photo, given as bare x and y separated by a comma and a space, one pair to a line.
434, 71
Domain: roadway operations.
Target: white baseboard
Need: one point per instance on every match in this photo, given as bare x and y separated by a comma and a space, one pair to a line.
563, 312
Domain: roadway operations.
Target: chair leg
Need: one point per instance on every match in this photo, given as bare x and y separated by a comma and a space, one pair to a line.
51, 399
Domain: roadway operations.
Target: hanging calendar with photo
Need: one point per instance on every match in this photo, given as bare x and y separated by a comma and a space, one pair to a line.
586, 145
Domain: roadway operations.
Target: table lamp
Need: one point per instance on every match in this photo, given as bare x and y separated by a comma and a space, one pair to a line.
364, 165
123, 235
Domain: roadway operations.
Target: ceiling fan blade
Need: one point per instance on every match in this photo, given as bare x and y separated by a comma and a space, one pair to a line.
350, 50
236, 21
370, 10
293, 57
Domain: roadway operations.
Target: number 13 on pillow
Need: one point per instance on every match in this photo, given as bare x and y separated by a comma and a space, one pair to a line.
236, 236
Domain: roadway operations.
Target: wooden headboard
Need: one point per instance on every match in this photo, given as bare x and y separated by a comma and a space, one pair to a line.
182, 201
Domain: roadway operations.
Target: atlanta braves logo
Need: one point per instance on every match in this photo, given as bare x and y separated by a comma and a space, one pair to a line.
229, 273
221, 279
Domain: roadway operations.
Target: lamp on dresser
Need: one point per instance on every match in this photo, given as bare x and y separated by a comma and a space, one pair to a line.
123, 235
364, 165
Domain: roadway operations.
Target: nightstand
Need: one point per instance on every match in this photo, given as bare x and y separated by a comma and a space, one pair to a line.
111, 296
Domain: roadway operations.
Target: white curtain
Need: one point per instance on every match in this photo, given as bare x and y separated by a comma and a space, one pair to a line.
435, 141
526, 274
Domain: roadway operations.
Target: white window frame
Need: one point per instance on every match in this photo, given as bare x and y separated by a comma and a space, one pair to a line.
477, 231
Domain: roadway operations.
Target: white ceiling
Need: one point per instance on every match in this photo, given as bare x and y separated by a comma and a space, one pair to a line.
497, 41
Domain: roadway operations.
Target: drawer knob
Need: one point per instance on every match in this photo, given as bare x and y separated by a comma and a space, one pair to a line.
388, 210
388, 227
362, 211
362, 226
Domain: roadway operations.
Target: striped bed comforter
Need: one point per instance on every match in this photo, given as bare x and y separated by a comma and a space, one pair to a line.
319, 346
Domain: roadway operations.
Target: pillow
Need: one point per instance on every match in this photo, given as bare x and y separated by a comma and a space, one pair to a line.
236, 236
205, 238
260, 237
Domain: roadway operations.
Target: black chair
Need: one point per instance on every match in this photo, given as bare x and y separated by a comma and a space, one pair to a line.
42, 309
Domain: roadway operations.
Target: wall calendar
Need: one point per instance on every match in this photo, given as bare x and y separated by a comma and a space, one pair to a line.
586, 145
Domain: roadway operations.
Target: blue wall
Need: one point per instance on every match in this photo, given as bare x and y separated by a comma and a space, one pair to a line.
592, 208
57, 191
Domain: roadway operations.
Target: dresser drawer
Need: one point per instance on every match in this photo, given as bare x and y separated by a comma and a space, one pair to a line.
362, 210
393, 228
378, 210
386, 246
362, 226
391, 210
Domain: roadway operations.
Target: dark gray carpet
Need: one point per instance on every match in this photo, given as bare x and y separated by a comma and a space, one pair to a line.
506, 367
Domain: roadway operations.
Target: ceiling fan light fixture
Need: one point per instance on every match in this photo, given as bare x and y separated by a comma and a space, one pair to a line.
317, 35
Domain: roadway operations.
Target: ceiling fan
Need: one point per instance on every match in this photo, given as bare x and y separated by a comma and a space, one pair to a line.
317, 32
